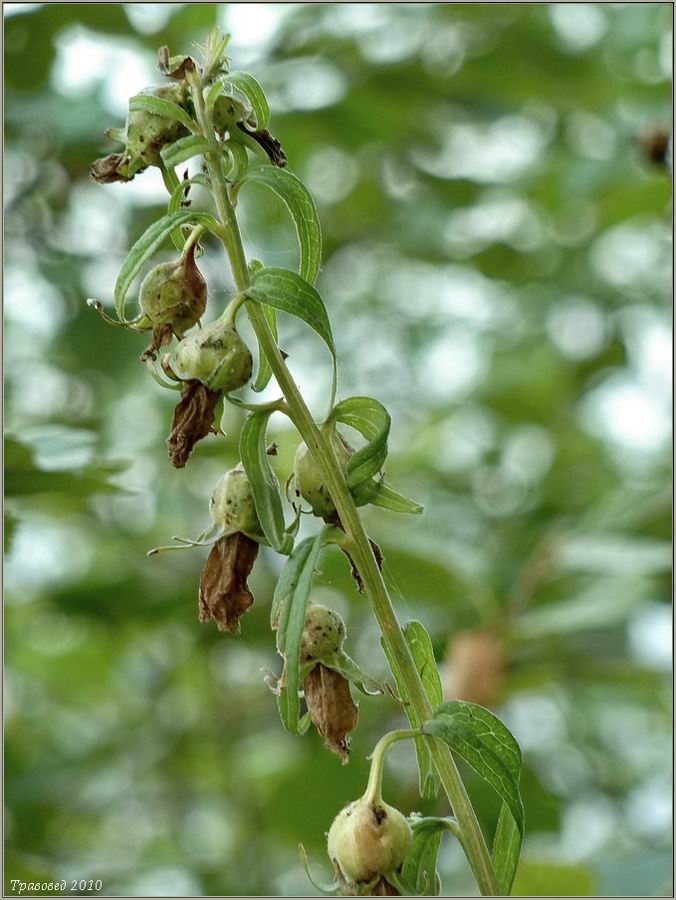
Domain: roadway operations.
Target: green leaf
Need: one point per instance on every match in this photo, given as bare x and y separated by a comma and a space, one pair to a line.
348, 668
541, 879
506, 850
287, 291
149, 242
288, 614
163, 108
419, 871
263, 481
264, 373
372, 420
183, 149
487, 745
421, 649
298, 200
380, 493
247, 86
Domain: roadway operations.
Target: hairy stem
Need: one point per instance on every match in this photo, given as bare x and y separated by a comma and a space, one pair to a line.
360, 549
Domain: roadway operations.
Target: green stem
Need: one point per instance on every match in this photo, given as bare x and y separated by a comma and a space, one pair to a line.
360, 549
373, 793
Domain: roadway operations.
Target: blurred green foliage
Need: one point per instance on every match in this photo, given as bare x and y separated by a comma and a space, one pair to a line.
497, 266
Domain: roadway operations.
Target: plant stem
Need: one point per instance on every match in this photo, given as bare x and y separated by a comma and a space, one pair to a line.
373, 793
360, 549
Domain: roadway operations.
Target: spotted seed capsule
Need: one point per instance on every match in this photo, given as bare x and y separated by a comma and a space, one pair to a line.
147, 132
307, 481
367, 839
323, 633
232, 504
174, 293
217, 356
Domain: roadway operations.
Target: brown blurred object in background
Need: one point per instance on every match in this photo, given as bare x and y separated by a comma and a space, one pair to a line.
655, 146
474, 667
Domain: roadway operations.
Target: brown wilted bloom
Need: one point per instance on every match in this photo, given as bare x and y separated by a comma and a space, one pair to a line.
193, 418
162, 335
175, 67
331, 707
269, 143
224, 594
475, 667
109, 169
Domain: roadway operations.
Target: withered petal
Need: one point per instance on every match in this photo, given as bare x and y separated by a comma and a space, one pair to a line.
331, 707
193, 418
109, 169
162, 335
224, 594
269, 143
175, 67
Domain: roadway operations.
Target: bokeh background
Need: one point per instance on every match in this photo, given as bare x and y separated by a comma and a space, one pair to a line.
497, 266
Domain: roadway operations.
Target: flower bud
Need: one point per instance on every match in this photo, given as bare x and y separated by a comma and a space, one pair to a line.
147, 132
232, 504
307, 479
217, 356
368, 838
323, 633
175, 294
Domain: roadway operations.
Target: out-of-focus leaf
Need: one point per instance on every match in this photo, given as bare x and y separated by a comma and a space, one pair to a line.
541, 879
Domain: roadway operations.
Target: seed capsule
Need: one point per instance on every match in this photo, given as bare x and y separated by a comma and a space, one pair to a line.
147, 132
175, 294
368, 838
232, 504
217, 356
323, 633
307, 479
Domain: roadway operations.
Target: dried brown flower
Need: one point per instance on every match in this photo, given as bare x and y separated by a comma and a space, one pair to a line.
109, 169
224, 593
269, 143
331, 707
193, 418
175, 66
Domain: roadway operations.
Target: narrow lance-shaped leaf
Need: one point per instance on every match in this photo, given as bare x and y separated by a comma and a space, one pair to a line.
184, 149
506, 850
421, 649
370, 419
380, 493
264, 373
263, 481
289, 292
288, 616
150, 241
487, 745
164, 108
247, 85
419, 871
298, 200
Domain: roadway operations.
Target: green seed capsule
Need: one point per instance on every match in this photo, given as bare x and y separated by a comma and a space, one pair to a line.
147, 133
307, 479
368, 839
323, 633
217, 356
175, 294
232, 505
